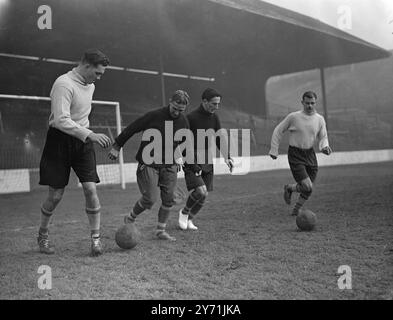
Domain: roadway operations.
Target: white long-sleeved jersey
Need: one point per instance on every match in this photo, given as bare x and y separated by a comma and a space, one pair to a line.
304, 131
71, 105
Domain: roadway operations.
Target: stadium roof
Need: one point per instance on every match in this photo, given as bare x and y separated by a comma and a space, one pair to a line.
238, 43
274, 12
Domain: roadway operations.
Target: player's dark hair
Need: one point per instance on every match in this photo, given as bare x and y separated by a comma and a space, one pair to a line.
210, 93
181, 97
95, 57
310, 95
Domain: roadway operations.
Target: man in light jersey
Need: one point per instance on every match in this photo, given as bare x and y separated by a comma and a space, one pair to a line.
305, 128
69, 144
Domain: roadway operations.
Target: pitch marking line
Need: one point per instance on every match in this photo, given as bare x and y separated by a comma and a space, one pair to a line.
18, 229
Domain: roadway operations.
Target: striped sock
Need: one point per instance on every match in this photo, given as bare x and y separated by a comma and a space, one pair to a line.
132, 216
185, 210
94, 217
300, 202
45, 220
294, 187
163, 215
196, 208
160, 227
192, 201
137, 210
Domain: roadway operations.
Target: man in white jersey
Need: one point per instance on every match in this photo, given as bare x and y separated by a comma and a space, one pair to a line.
69, 144
305, 128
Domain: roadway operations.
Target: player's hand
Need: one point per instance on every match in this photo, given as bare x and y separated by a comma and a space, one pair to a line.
327, 150
273, 156
179, 161
101, 139
113, 154
230, 164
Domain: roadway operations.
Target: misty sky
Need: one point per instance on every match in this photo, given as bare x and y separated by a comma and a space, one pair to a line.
372, 20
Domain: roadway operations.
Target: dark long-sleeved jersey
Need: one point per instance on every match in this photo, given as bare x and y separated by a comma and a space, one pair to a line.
203, 120
155, 119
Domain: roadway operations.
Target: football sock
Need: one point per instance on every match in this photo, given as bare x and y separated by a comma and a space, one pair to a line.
45, 220
137, 210
160, 227
195, 209
132, 216
300, 202
294, 187
163, 214
185, 210
94, 217
192, 201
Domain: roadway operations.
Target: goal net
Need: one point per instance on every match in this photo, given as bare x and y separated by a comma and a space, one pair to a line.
23, 128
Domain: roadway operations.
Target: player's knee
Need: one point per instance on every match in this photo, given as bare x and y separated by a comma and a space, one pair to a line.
147, 202
306, 190
168, 199
56, 197
90, 191
91, 197
201, 193
306, 186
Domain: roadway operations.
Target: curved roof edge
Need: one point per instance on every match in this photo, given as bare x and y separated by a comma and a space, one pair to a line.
271, 11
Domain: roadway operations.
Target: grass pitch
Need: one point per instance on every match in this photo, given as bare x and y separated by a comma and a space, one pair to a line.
247, 245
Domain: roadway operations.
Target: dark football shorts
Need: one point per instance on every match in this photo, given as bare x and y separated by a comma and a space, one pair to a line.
303, 163
63, 152
206, 178
149, 178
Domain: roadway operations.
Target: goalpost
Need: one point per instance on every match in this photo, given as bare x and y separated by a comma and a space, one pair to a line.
112, 104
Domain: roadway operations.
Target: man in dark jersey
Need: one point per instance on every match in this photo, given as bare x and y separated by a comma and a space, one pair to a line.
158, 170
199, 177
